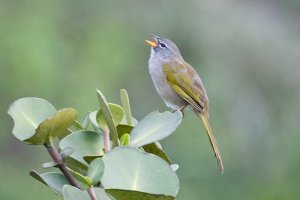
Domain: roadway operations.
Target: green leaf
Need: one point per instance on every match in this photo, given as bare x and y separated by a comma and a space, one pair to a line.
122, 129
77, 126
153, 148
37, 176
62, 120
128, 168
66, 152
133, 120
101, 194
135, 195
117, 113
126, 106
76, 165
49, 164
94, 122
28, 113
73, 193
86, 120
174, 167
59, 123
86, 181
108, 118
89, 159
96, 170
125, 139
154, 127
65, 133
85, 143
54, 126
54, 180
85, 123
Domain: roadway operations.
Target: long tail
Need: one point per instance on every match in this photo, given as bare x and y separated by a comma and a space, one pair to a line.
212, 140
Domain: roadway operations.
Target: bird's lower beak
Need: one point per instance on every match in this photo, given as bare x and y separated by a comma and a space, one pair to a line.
152, 43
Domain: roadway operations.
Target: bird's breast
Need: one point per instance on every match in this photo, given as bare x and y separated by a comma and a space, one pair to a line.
170, 97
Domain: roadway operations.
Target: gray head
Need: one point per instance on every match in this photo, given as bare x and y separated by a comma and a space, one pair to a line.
164, 49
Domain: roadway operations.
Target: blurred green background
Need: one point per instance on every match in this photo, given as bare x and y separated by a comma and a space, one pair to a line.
247, 53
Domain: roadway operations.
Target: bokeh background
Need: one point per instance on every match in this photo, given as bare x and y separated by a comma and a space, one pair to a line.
247, 53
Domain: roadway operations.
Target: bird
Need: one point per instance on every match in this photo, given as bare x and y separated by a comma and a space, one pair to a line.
179, 84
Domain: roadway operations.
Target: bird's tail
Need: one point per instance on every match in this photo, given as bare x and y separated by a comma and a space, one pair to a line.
212, 140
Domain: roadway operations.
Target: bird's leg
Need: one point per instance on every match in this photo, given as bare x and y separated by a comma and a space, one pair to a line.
180, 109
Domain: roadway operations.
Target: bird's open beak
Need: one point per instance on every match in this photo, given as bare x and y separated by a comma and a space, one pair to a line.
152, 43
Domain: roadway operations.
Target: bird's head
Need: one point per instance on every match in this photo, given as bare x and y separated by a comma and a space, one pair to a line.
163, 49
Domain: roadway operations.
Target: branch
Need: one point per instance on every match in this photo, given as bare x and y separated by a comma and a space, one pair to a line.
92, 194
57, 158
106, 140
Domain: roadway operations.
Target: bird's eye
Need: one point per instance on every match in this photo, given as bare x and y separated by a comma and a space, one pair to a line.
162, 45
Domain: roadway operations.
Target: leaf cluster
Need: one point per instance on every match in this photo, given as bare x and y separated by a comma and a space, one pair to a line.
108, 155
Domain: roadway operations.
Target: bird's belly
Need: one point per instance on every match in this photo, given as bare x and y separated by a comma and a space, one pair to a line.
170, 97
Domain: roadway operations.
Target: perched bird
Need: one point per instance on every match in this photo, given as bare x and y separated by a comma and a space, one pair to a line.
179, 85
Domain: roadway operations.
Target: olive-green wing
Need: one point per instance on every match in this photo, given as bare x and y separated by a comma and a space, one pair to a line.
186, 82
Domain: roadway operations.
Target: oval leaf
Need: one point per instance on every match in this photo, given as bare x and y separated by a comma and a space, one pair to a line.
154, 148
28, 113
54, 126
89, 159
54, 180
101, 194
133, 121
73, 193
77, 126
125, 139
128, 168
66, 152
108, 118
49, 164
154, 127
117, 113
86, 181
96, 170
62, 120
122, 129
86, 120
93, 119
135, 195
85, 143
76, 165
126, 106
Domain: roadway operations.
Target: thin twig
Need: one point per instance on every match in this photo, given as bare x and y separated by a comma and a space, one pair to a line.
92, 193
56, 157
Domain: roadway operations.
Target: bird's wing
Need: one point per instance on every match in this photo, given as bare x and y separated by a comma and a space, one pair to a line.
186, 82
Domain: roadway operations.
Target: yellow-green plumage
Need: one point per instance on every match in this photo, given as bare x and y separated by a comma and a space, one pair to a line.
185, 81
179, 84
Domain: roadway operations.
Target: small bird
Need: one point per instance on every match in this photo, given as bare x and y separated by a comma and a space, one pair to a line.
179, 85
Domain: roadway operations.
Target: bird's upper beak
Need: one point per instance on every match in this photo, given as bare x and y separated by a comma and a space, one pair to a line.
152, 43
